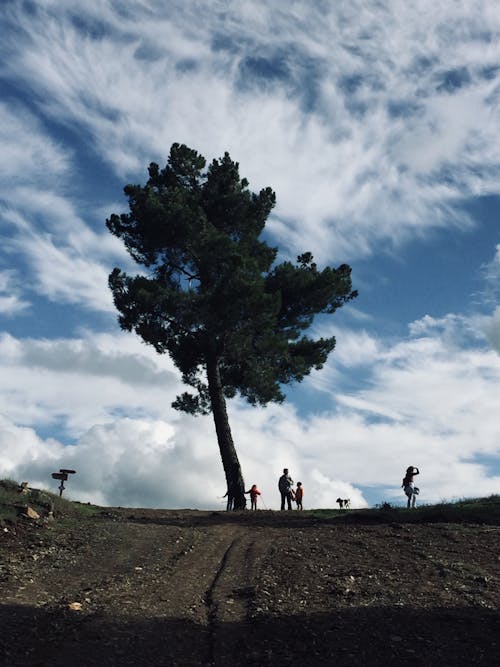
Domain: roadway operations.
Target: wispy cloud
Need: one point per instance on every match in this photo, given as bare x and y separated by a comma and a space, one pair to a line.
41, 223
492, 329
491, 273
11, 301
372, 122
29, 154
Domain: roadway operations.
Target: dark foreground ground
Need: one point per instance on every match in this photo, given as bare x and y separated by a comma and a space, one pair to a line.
170, 588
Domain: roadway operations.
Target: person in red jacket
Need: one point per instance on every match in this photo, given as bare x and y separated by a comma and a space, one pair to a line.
254, 492
299, 494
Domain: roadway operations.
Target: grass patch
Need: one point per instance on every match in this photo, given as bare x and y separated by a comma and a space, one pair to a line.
470, 510
12, 502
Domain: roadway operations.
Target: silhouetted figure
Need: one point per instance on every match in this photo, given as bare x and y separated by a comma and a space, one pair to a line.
409, 487
299, 494
285, 485
230, 500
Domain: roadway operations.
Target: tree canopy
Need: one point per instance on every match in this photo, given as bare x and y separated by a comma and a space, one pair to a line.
211, 294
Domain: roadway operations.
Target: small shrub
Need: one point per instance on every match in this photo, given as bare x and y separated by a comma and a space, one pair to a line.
385, 506
9, 485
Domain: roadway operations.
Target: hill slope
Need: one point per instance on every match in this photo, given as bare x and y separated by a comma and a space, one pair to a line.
160, 587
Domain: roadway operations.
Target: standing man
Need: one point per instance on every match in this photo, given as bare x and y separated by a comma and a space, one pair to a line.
285, 485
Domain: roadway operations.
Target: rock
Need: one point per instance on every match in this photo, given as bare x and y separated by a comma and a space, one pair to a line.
75, 606
31, 513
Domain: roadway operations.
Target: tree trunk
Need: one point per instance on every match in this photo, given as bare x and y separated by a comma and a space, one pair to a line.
232, 469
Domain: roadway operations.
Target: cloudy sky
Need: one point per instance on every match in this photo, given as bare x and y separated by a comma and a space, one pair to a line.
376, 123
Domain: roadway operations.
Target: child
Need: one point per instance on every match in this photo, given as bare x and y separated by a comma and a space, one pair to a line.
254, 492
299, 493
409, 487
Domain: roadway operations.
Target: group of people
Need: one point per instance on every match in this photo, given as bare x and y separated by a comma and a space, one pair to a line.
285, 486
289, 494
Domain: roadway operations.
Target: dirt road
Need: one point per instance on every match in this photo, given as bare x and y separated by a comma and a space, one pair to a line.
213, 588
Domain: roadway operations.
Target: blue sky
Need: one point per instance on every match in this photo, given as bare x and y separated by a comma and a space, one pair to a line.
376, 123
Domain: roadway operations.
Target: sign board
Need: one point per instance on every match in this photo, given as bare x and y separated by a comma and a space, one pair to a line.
59, 475
68, 472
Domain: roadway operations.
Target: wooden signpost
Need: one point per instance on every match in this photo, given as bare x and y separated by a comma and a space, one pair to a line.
62, 475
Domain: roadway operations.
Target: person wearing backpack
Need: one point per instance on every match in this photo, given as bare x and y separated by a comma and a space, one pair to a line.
285, 485
411, 491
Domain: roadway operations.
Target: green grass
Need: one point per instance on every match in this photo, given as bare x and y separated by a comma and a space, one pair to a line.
12, 503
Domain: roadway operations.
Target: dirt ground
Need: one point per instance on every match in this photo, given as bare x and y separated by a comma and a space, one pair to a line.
188, 587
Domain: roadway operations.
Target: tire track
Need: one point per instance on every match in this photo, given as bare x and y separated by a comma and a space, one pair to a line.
230, 599
212, 607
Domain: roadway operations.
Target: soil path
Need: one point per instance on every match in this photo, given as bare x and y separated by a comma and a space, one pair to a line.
200, 588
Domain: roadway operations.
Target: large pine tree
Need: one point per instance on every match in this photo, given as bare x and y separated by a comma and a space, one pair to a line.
212, 298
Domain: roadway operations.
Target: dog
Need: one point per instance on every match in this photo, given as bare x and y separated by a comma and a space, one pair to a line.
344, 503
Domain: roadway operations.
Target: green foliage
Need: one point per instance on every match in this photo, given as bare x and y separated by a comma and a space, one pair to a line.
211, 291
212, 298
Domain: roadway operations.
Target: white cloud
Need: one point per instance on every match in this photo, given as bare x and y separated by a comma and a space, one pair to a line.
139, 462
21, 446
81, 382
492, 328
126, 462
490, 293
28, 154
430, 402
438, 389
371, 122
11, 301
70, 262
371, 106
67, 276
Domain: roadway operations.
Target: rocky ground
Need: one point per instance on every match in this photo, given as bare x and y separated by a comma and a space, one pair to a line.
154, 587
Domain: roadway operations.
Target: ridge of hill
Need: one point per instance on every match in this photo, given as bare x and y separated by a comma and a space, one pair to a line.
91, 585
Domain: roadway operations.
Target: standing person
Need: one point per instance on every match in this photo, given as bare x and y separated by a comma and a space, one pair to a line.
254, 492
285, 485
409, 487
299, 494
229, 505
